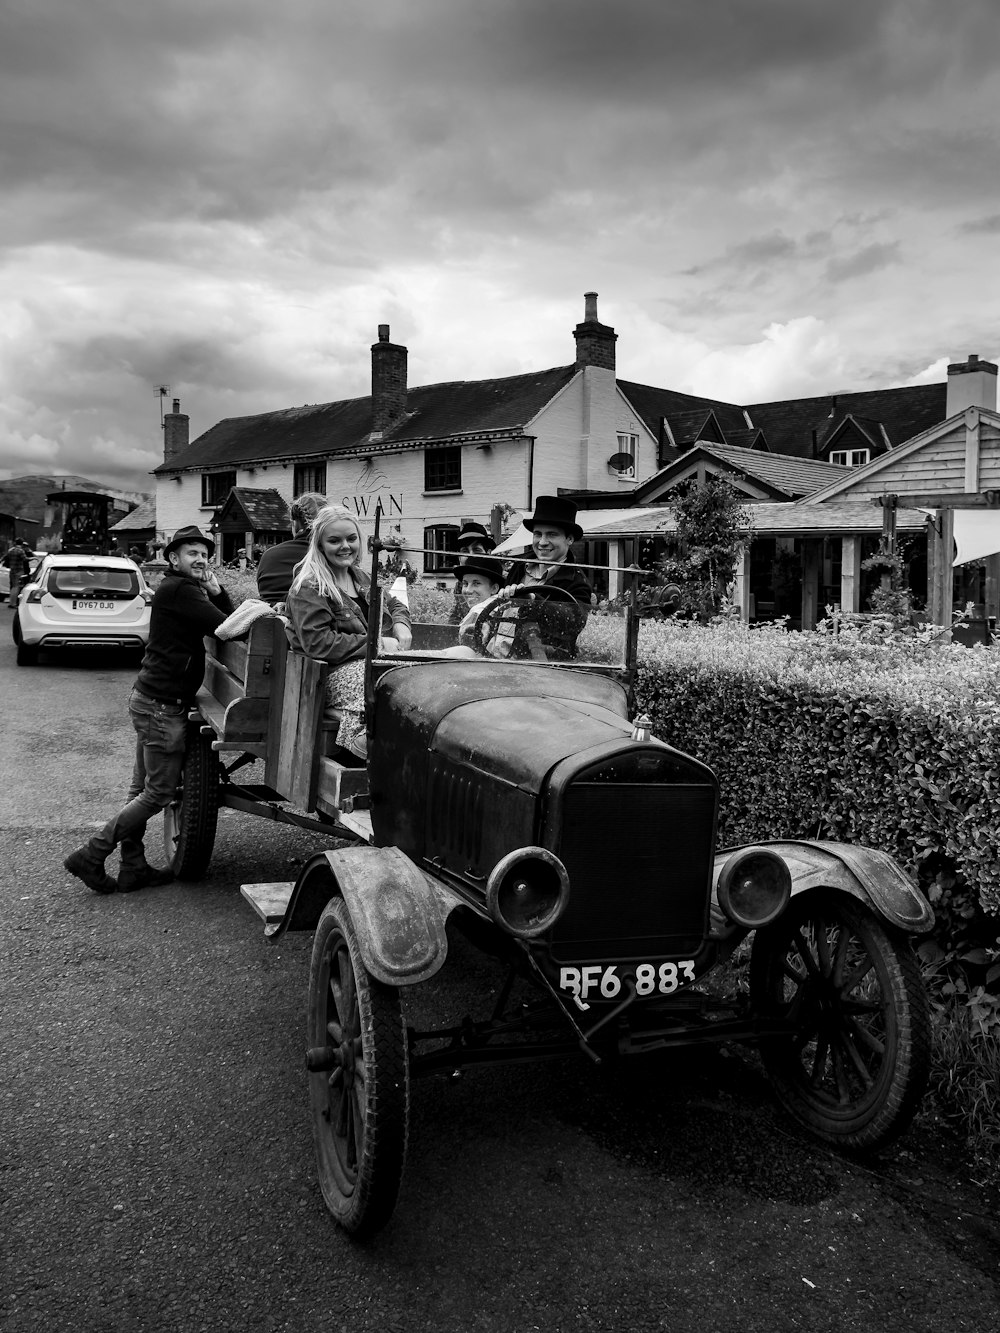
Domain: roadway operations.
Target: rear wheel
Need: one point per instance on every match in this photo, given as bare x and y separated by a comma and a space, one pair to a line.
359, 1080
189, 824
856, 1067
27, 654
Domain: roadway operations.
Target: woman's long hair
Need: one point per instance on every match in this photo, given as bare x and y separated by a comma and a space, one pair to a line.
314, 568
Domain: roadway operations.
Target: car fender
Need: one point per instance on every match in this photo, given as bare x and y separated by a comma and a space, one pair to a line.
866, 873
398, 911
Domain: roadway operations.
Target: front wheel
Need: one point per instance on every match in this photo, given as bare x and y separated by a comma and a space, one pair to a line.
855, 1068
189, 824
359, 1082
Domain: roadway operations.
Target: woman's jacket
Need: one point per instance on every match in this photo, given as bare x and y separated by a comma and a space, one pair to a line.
320, 629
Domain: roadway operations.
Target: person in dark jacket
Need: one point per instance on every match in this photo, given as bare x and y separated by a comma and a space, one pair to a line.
276, 567
18, 561
189, 604
552, 578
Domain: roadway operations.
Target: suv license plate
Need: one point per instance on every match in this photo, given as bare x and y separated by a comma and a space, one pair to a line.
80, 605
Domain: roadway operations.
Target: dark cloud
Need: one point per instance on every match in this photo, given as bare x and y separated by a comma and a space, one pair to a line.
867, 260
181, 179
987, 226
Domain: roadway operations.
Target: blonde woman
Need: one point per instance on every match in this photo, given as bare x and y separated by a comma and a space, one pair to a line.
327, 607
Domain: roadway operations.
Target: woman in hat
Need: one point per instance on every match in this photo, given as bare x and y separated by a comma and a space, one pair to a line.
327, 607
473, 541
553, 575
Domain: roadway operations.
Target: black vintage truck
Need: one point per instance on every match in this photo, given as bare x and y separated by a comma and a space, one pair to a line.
516, 801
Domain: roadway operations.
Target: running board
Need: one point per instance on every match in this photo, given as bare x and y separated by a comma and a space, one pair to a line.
268, 900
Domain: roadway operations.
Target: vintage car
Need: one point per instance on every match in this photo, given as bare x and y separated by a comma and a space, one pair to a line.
515, 801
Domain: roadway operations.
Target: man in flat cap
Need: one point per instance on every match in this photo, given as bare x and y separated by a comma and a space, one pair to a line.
188, 604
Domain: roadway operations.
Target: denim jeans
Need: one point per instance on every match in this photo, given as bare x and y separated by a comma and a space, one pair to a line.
160, 736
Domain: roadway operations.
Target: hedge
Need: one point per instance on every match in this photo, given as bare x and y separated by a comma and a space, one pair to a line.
894, 745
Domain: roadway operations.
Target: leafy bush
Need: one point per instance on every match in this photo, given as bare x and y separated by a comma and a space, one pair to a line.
888, 743
869, 737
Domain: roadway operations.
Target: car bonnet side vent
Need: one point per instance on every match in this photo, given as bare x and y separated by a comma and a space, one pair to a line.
454, 814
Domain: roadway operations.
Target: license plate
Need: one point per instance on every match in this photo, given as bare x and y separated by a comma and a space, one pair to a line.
599, 981
79, 604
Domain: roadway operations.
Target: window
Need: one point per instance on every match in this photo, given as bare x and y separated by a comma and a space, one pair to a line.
443, 469
215, 486
850, 457
628, 444
310, 477
441, 548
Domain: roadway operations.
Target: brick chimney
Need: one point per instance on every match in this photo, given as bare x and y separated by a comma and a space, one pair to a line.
388, 381
595, 342
971, 383
175, 432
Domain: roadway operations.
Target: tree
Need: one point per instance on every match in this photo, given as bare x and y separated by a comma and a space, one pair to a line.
712, 524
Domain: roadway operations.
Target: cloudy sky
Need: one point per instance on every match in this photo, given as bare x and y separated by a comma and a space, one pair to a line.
773, 198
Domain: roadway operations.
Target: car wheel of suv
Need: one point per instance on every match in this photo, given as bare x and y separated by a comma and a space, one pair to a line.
27, 654
359, 1078
189, 824
856, 1067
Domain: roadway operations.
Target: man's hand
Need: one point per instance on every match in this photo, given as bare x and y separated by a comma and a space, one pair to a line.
403, 635
507, 593
207, 579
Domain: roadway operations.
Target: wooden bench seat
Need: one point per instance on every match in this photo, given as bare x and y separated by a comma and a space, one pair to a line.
235, 696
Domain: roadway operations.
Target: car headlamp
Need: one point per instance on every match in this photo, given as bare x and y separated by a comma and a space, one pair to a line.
754, 887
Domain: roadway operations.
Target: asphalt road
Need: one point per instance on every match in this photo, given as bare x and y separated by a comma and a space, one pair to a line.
156, 1164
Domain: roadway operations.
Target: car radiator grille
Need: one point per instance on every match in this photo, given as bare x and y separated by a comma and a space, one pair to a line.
639, 859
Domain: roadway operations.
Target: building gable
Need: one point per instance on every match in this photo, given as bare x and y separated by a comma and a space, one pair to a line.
960, 456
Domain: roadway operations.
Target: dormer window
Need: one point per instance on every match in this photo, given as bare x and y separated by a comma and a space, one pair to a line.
850, 457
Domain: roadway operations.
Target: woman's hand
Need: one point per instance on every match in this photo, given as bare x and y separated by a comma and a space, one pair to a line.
404, 636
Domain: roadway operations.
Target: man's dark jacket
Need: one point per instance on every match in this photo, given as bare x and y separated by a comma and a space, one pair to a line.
559, 621
181, 615
277, 567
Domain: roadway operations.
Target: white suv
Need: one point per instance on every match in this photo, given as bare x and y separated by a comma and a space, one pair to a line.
81, 601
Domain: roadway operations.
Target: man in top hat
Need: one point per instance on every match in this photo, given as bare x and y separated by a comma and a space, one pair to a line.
188, 604
553, 575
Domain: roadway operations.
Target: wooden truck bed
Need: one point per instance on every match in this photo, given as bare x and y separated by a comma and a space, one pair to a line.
262, 700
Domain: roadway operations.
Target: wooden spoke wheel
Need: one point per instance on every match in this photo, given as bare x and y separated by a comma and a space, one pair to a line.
856, 1067
359, 1078
189, 824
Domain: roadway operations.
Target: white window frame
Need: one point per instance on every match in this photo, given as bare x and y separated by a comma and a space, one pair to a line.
850, 457
440, 554
628, 443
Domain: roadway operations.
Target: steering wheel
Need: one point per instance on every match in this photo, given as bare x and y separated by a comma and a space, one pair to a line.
494, 612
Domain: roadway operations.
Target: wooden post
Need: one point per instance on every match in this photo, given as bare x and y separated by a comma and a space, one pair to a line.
741, 579
992, 586
850, 574
810, 582
616, 557
941, 553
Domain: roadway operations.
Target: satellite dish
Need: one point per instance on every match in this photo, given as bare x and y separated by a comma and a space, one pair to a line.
621, 463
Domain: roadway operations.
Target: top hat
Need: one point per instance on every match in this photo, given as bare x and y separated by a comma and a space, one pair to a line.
485, 565
188, 534
553, 510
474, 532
